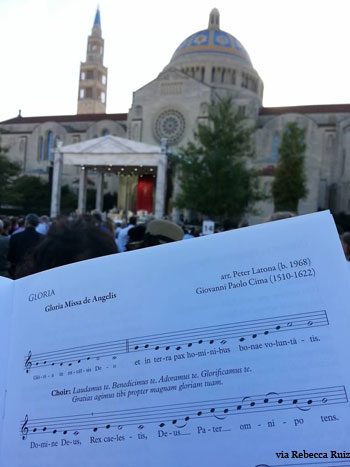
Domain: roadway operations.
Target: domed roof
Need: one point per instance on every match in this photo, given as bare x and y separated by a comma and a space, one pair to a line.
212, 40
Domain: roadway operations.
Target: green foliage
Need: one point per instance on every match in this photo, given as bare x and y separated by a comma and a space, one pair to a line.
289, 185
8, 172
31, 193
215, 179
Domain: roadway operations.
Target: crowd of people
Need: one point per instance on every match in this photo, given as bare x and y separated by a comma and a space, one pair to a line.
31, 244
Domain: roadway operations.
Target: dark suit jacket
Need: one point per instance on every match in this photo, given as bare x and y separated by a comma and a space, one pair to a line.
20, 246
4, 248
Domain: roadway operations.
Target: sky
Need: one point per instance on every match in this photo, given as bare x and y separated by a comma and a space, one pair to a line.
299, 48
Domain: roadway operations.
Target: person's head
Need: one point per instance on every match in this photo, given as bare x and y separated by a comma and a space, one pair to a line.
7, 227
44, 219
162, 231
108, 224
69, 242
13, 222
133, 220
345, 241
32, 220
97, 216
279, 215
21, 222
136, 237
229, 224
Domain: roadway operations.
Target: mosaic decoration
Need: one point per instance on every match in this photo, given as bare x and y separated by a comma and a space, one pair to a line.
201, 38
212, 41
170, 124
221, 38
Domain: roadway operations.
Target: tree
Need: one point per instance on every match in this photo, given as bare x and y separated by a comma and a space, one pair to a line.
215, 178
31, 193
8, 172
289, 185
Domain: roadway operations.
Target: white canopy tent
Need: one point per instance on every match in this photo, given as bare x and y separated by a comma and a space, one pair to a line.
108, 154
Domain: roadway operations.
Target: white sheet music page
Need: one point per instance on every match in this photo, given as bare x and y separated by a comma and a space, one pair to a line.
6, 296
228, 350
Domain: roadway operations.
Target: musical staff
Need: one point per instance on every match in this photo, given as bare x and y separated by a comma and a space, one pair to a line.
179, 415
186, 338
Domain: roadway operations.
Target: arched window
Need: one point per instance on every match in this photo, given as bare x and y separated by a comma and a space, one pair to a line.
41, 149
223, 76
213, 74
49, 145
233, 80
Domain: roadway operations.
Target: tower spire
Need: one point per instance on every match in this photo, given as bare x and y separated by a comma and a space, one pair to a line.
93, 74
97, 21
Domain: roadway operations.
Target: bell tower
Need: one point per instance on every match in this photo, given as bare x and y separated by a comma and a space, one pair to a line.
92, 95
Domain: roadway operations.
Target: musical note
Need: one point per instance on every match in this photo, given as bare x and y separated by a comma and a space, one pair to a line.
243, 330
177, 414
24, 428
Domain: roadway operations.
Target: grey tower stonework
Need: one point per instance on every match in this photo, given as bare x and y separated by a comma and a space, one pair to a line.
92, 95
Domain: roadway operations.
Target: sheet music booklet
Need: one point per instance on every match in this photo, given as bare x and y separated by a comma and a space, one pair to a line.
228, 350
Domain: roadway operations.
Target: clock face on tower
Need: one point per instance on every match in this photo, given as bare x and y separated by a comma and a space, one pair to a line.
170, 124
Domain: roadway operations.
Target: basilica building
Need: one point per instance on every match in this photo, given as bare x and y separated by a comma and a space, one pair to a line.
162, 117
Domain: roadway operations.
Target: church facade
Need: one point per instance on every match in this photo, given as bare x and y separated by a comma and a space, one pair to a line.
207, 64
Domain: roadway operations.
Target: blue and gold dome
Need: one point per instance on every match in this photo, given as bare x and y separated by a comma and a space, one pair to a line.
212, 40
